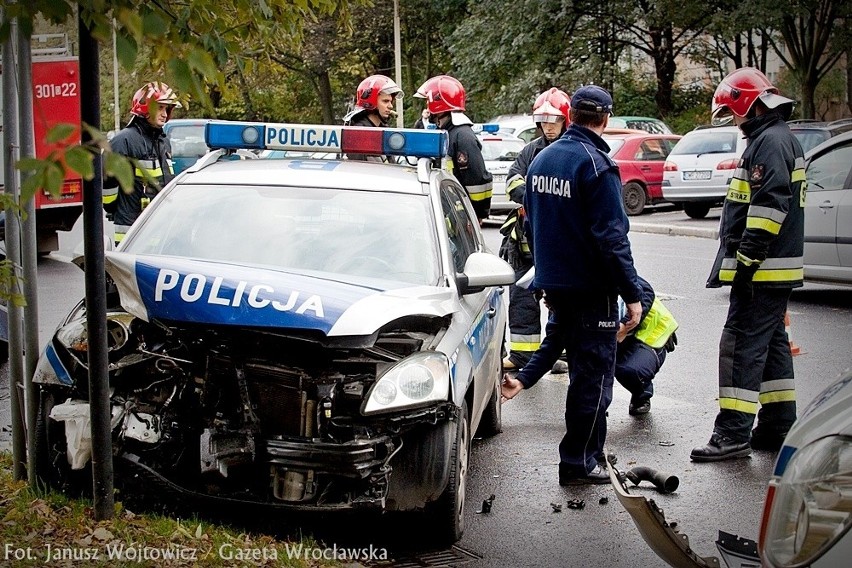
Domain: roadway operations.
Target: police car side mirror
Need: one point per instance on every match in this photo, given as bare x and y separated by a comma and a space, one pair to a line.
484, 269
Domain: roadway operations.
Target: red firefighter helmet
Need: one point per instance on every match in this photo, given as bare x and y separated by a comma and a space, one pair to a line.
156, 91
737, 92
442, 93
550, 105
367, 95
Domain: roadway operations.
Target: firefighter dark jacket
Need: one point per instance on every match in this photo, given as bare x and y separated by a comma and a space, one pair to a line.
763, 218
150, 146
465, 162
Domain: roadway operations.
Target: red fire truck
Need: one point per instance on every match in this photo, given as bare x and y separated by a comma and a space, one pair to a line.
56, 100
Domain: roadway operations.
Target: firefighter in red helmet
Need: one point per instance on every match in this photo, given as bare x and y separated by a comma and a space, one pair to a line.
144, 141
551, 114
761, 240
374, 102
445, 98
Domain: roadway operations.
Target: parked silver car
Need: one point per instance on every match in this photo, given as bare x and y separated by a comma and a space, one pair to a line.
700, 166
499, 150
828, 211
807, 517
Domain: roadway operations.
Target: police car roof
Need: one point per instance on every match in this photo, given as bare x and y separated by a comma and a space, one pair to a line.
300, 172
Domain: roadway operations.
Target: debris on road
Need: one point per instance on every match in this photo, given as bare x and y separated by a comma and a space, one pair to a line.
486, 505
557, 507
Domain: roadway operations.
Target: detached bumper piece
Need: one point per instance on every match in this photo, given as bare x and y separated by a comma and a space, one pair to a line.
661, 536
738, 552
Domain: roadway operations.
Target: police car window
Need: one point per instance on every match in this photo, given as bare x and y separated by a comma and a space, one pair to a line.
357, 234
829, 171
460, 229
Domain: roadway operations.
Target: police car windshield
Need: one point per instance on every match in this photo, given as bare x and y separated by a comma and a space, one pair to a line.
354, 234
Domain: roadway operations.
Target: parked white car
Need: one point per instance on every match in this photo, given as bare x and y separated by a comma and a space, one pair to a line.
499, 150
700, 166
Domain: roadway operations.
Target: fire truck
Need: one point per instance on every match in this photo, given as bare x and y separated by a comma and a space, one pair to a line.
56, 100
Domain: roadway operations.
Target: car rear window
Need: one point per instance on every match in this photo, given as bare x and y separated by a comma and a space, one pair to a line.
810, 137
501, 150
706, 142
188, 141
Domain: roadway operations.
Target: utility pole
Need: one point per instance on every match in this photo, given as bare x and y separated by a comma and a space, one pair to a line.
397, 56
95, 278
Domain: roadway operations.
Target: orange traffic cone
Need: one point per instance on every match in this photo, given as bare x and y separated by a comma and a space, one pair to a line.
794, 349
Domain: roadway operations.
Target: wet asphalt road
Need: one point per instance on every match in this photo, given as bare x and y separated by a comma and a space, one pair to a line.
519, 466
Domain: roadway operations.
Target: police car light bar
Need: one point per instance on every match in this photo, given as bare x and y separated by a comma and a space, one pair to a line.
490, 127
320, 138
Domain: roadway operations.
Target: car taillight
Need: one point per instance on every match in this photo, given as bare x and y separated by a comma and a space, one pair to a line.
669, 167
728, 164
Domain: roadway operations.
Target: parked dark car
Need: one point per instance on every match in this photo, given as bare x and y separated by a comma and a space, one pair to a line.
812, 133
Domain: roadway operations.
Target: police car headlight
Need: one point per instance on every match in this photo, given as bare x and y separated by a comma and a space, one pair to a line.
812, 505
416, 380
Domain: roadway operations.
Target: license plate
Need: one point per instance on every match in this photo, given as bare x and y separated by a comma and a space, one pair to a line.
499, 177
697, 176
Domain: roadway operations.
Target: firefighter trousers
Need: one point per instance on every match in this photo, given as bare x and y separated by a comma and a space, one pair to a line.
524, 321
755, 365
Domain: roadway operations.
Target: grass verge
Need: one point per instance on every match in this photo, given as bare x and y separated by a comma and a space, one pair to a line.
42, 528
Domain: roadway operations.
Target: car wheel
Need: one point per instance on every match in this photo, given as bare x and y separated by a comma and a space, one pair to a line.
52, 469
634, 198
492, 417
696, 210
446, 515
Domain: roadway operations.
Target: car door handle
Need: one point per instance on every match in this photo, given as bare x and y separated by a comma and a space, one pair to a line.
826, 205
645, 169
491, 312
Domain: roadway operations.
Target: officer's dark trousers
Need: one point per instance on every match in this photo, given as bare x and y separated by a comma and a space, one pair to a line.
755, 365
636, 365
524, 321
584, 325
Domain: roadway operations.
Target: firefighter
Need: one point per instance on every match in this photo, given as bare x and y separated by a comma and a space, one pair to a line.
144, 141
445, 101
761, 242
551, 115
641, 353
374, 101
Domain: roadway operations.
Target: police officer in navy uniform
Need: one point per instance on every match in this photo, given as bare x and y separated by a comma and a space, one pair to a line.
642, 351
144, 140
578, 230
551, 115
445, 100
374, 107
761, 243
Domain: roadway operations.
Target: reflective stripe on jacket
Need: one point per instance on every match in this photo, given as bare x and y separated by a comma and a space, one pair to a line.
763, 217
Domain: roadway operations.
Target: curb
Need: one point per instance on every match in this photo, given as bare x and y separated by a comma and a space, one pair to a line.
675, 230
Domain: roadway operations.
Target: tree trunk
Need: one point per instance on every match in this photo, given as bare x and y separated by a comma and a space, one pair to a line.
849, 79
323, 84
665, 67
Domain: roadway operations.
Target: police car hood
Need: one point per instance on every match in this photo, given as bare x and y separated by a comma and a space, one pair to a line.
218, 293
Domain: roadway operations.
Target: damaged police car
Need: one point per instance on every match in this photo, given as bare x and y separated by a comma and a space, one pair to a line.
315, 335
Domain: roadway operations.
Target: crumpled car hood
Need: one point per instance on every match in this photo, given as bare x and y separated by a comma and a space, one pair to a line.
217, 293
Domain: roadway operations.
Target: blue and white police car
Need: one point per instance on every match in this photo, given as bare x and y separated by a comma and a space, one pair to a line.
318, 335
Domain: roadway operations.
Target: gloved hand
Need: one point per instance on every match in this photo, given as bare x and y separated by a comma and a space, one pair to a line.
670, 344
743, 278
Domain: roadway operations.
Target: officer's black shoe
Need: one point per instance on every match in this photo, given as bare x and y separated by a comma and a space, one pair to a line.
598, 476
720, 448
639, 408
766, 441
